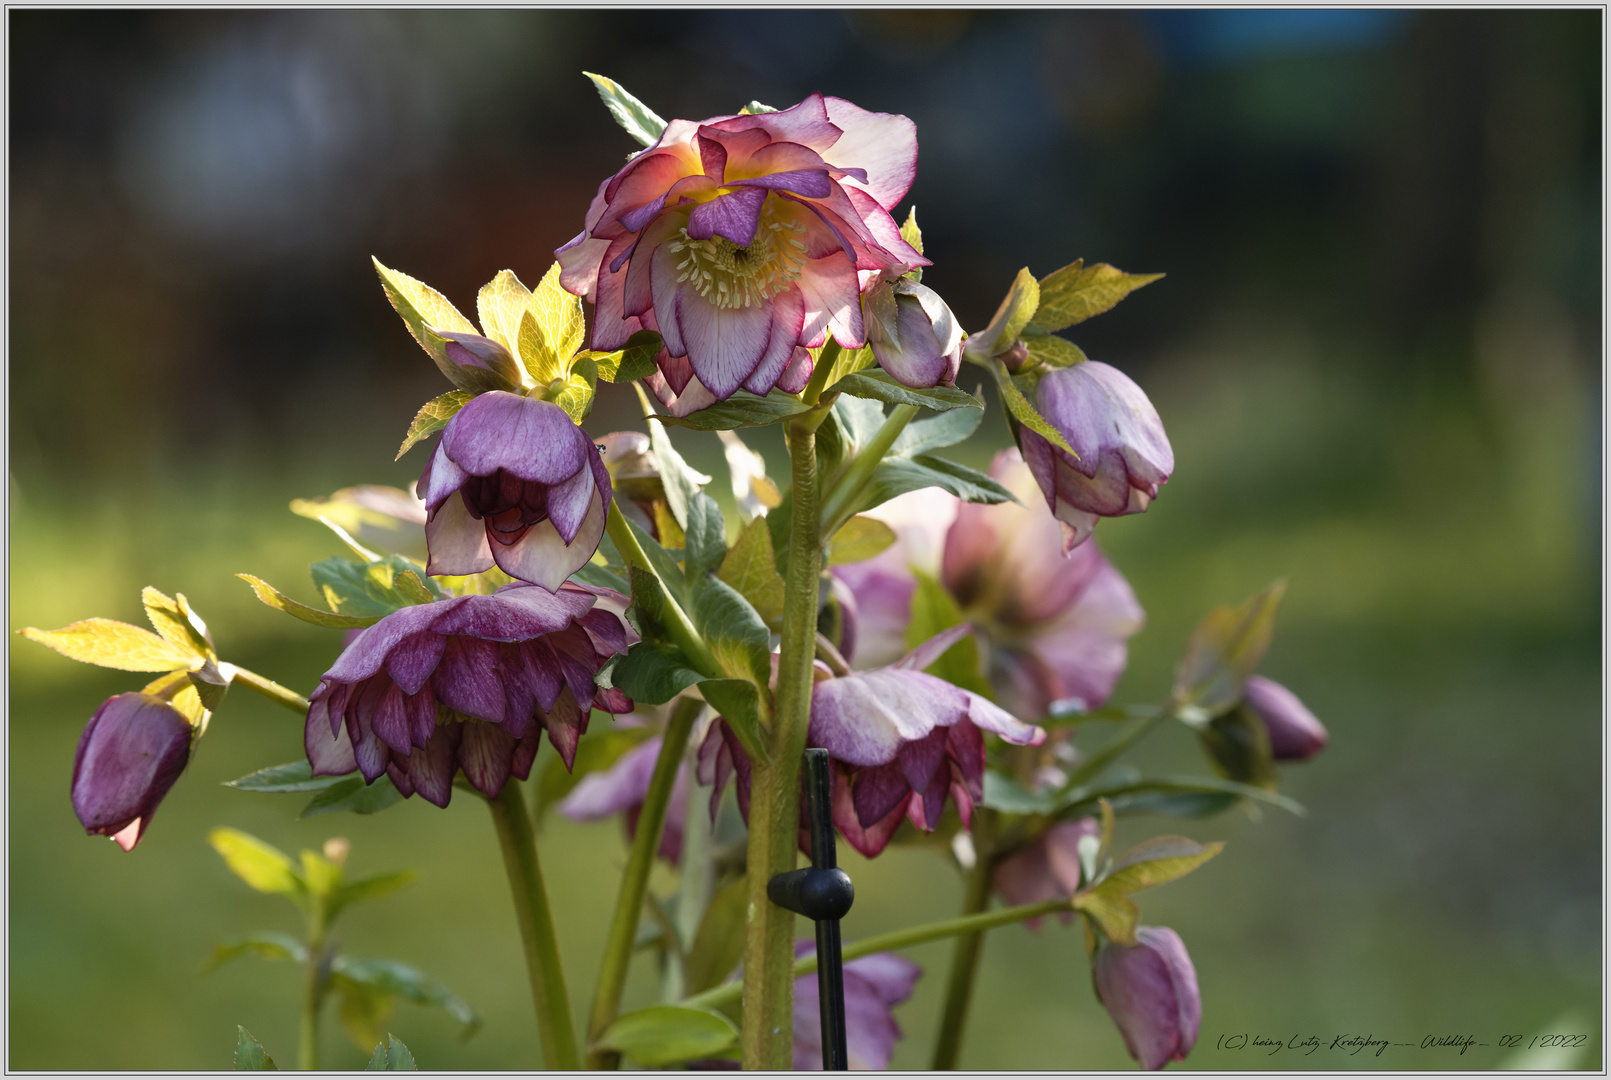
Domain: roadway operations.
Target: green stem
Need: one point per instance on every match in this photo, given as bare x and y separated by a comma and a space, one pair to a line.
635, 881
867, 459
1113, 748
536, 928
965, 953
768, 1028
728, 993
680, 627
819, 374
267, 687
313, 987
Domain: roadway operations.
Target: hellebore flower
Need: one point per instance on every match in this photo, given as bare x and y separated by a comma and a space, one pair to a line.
131, 752
740, 239
913, 334
1295, 734
623, 786
874, 985
1150, 990
468, 682
1123, 453
1052, 626
1047, 868
514, 482
900, 741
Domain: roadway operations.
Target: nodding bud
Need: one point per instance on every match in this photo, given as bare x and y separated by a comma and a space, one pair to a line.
1295, 734
131, 752
913, 333
1016, 356
1150, 990
478, 364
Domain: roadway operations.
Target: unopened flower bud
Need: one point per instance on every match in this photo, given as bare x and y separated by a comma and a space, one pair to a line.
913, 333
1150, 990
1295, 734
337, 848
131, 752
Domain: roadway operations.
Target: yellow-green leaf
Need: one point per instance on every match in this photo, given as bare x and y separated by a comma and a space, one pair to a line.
113, 644
666, 1034
421, 306
1019, 405
1016, 309
751, 569
184, 697
1225, 649
1112, 911
500, 304
575, 397
859, 539
848, 362
634, 360
169, 620
1076, 292
1051, 351
914, 236
432, 417
265, 868
636, 118
369, 888
560, 326
280, 602
1159, 861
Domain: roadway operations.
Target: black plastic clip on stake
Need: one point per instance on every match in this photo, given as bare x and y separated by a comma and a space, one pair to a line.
823, 893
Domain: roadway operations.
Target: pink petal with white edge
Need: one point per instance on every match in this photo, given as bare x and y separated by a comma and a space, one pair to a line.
788, 313
994, 718
329, 755
457, 542
806, 123
543, 558
724, 344
693, 396
883, 229
832, 299
440, 478
883, 144
866, 718
663, 283
797, 373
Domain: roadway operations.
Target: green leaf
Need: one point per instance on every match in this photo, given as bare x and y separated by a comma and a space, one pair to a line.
280, 602
391, 1056
354, 795
755, 107
376, 588
1016, 309
879, 386
210, 685
1136, 797
750, 568
575, 395
681, 482
410, 984
666, 1034
735, 631
113, 644
848, 362
1076, 292
719, 943
365, 889
652, 673
1115, 913
1238, 743
1158, 861
897, 476
265, 868
1006, 794
638, 120
250, 1055
1019, 407
1051, 351
706, 537
268, 944
1225, 649
739, 702
634, 360
602, 578
293, 776
433, 417
665, 565
947, 429
914, 236
860, 417
742, 410
426, 312
500, 305
859, 539
934, 610
172, 620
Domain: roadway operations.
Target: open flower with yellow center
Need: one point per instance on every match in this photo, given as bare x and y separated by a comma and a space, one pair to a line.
743, 240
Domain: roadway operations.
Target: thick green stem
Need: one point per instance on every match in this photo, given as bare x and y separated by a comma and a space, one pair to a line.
965, 953
819, 374
678, 625
1092, 766
314, 979
548, 992
267, 687
635, 881
768, 1031
899, 939
868, 458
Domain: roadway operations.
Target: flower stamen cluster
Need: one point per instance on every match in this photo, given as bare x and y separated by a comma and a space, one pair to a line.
730, 276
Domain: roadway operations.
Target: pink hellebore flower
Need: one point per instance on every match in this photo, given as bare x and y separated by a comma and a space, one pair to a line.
1150, 990
1295, 734
514, 482
1047, 868
131, 752
741, 239
901, 741
1123, 454
623, 786
874, 985
469, 682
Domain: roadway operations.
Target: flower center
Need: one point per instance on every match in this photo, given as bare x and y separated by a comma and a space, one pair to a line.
730, 276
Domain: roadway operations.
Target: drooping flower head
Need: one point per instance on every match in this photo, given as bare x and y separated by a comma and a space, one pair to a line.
1046, 868
514, 482
874, 985
1150, 990
1123, 455
467, 683
131, 752
740, 239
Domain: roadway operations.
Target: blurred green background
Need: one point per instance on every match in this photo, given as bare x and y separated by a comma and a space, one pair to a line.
1376, 355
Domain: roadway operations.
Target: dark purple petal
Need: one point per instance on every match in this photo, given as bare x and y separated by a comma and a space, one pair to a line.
733, 216
812, 183
565, 723
330, 755
466, 680
131, 753
412, 660
485, 751
390, 720
431, 768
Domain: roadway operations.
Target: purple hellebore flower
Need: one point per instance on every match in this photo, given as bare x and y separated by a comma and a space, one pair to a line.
742, 239
913, 334
1047, 868
623, 786
514, 482
131, 752
1123, 453
469, 682
1150, 990
900, 741
1295, 734
874, 985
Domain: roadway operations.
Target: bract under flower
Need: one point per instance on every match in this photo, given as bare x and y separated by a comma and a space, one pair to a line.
740, 238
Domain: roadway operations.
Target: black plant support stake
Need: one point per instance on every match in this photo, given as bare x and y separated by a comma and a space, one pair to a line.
822, 893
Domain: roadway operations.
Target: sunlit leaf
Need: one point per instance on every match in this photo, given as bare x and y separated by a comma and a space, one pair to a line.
262, 866
499, 305
185, 699
170, 620
113, 644
914, 236
666, 1034
560, 325
1050, 351
636, 118
433, 417
749, 568
280, 602
1015, 312
1019, 406
879, 386
375, 588
634, 360
1077, 292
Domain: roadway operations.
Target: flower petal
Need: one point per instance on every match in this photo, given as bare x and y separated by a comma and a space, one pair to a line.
724, 344
883, 144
